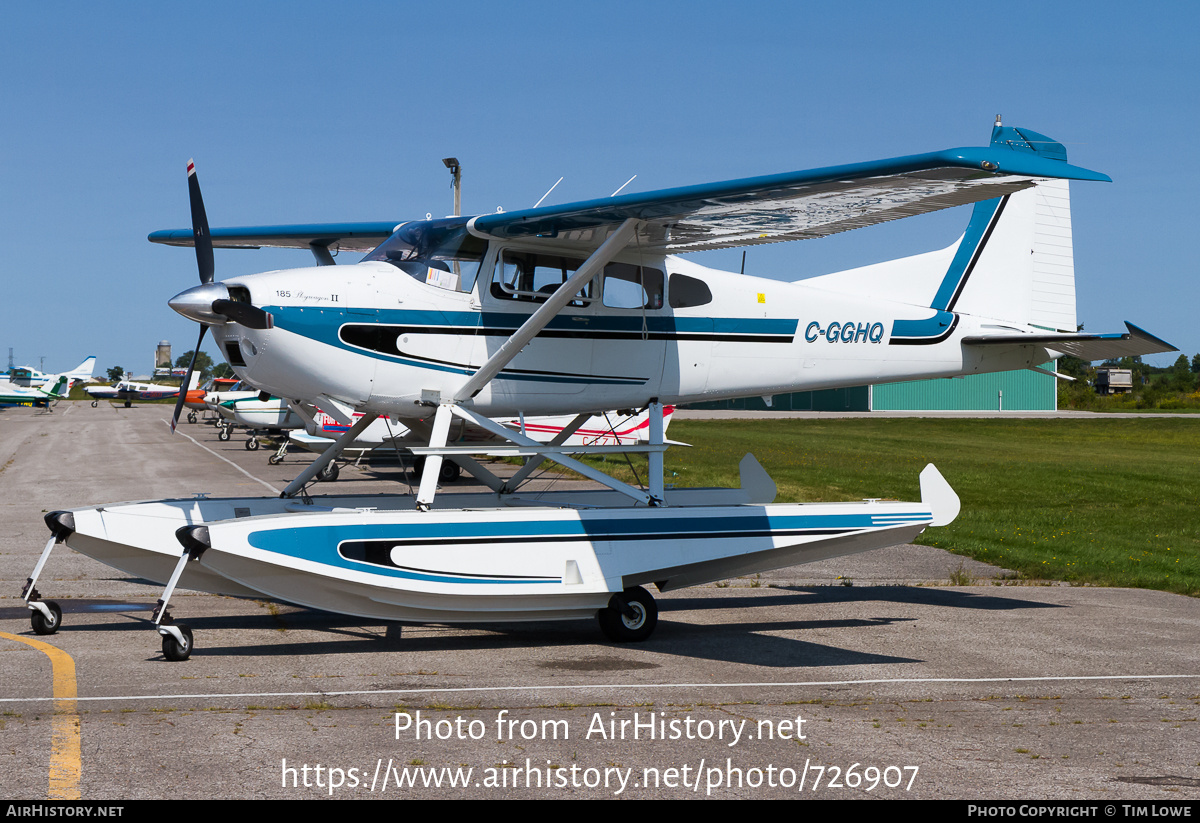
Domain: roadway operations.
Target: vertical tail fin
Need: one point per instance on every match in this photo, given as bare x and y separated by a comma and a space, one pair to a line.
62, 386
1015, 260
84, 370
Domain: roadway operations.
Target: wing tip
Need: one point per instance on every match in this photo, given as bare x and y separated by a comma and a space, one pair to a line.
1138, 332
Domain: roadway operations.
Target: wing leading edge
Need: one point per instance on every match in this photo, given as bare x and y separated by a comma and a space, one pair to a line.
803, 204
358, 237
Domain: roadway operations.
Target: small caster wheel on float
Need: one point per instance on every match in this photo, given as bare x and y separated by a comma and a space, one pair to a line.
630, 616
223, 434
329, 473
252, 444
43, 624
177, 649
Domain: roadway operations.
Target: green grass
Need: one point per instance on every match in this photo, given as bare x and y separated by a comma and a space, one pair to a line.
1104, 502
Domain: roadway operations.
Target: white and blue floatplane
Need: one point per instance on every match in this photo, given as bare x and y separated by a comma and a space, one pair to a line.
573, 309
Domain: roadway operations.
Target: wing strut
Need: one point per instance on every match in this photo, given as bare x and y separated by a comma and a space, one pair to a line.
522, 445
513, 482
537, 321
323, 460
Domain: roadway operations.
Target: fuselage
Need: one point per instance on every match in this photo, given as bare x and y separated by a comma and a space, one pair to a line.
378, 339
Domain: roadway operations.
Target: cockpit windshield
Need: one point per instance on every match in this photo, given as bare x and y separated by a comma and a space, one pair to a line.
440, 253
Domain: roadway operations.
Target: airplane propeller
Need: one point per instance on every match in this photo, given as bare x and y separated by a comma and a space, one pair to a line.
203, 242
204, 262
209, 303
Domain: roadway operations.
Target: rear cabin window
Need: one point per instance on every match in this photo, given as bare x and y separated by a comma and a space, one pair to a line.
687, 292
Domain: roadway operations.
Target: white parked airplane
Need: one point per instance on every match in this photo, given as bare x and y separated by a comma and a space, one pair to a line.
576, 308
11, 395
609, 428
29, 376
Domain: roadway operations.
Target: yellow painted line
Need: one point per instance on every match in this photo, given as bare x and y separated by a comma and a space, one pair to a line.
65, 763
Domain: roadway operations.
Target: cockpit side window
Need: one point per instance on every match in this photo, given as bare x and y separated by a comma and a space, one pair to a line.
531, 276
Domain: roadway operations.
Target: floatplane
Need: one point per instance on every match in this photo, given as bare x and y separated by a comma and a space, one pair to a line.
570, 310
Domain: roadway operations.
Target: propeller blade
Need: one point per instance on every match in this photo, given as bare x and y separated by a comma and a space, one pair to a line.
187, 380
245, 314
204, 248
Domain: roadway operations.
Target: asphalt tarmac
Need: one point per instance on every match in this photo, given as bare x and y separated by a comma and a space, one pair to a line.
865, 677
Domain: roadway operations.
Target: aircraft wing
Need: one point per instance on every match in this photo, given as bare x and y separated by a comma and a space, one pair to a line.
358, 237
749, 211
1088, 347
799, 205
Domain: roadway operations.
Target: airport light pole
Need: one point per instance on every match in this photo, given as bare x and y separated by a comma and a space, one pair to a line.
456, 170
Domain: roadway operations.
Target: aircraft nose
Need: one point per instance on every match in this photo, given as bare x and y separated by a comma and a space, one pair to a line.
196, 303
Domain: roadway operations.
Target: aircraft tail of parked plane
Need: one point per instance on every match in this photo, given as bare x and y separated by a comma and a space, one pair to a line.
1014, 262
1014, 265
61, 387
84, 370
28, 376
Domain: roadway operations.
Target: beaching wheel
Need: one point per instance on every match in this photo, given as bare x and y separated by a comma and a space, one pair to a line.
633, 624
175, 651
46, 625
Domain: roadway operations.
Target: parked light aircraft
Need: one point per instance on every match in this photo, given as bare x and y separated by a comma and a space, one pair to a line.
29, 376
130, 390
576, 308
11, 395
218, 390
610, 428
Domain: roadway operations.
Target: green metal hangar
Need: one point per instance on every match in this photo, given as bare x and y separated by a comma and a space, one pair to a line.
1022, 390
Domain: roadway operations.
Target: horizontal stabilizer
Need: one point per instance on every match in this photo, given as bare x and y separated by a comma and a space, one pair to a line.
1135, 342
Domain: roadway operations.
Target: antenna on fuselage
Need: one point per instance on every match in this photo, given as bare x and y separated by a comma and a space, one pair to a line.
623, 185
547, 194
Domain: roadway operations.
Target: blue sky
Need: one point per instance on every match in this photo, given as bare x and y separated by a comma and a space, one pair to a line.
312, 112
